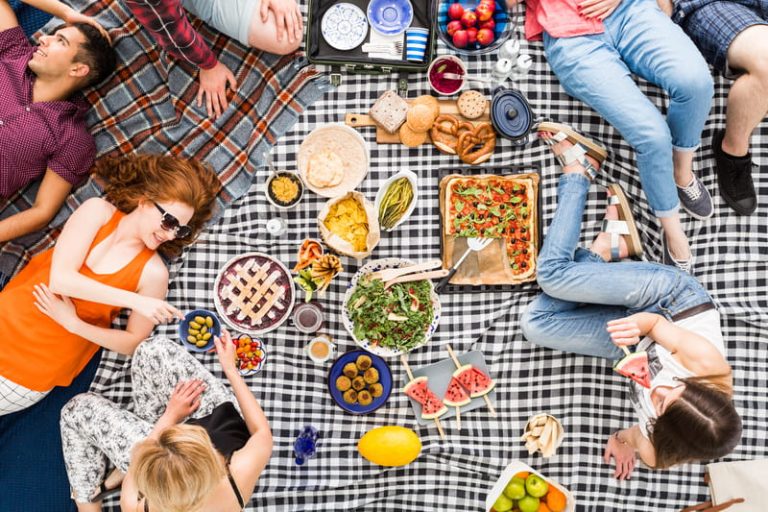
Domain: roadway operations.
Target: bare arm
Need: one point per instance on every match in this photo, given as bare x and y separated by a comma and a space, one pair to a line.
50, 196
7, 16
691, 350
153, 283
666, 6
622, 447
70, 253
249, 461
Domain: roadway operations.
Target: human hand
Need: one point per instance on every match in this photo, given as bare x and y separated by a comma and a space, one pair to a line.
213, 89
60, 309
599, 9
185, 400
74, 16
666, 6
624, 456
225, 350
156, 310
287, 18
624, 331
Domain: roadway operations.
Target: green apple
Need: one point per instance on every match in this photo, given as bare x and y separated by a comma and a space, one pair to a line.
528, 504
515, 489
502, 504
536, 486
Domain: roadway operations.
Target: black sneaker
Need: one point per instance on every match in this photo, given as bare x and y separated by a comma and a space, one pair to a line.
734, 175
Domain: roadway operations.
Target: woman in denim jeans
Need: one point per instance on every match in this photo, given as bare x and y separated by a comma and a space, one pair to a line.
594, 47
591, 306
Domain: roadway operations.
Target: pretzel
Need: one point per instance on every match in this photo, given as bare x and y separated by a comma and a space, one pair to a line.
445, 132
482, 135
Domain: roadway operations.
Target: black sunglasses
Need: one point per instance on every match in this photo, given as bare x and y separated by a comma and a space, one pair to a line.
171, 223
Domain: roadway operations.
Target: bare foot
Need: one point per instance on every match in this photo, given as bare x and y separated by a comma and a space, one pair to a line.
602, 243
558, 148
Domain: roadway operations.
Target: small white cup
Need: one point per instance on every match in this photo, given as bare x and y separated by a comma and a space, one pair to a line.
321, 339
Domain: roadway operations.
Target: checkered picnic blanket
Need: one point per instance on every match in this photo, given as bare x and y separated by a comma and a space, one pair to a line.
149, 106
584, 393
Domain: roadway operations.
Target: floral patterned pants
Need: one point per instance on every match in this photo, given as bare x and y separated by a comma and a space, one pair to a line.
94, 428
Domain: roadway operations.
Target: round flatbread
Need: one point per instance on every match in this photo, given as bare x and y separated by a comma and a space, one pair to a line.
325, 169
471, 104
316, 166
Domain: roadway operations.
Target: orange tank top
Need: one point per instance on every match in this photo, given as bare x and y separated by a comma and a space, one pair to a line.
38, 353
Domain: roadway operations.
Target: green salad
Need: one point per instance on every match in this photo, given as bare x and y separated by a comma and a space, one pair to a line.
396, 318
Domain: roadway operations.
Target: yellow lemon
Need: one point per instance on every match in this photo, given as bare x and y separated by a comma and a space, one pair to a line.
390, 446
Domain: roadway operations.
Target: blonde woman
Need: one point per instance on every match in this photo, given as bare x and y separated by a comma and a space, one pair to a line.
210, 462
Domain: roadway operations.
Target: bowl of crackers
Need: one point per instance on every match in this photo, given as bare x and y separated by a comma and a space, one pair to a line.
284, 189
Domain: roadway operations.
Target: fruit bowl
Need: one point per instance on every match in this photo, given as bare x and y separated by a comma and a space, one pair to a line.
502, 29
563, 502
190, 329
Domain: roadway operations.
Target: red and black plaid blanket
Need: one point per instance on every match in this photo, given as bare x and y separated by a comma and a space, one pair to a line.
149, 106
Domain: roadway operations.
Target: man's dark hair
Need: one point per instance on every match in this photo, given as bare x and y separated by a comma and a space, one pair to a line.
96, 52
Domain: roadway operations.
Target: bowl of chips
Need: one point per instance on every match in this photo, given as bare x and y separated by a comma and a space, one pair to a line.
349, 225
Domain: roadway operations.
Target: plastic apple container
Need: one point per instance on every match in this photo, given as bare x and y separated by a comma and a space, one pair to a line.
516, 467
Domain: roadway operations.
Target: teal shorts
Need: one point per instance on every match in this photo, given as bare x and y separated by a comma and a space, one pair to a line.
230, 17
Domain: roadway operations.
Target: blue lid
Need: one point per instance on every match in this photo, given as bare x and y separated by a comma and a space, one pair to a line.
511, 116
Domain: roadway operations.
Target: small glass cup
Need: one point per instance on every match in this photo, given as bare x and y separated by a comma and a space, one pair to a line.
305, 446
447, 64
308, 318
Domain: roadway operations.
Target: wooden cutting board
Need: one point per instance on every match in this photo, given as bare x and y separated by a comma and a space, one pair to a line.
384, 137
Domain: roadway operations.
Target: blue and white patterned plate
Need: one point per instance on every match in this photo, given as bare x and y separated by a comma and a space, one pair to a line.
375, 266
344, 26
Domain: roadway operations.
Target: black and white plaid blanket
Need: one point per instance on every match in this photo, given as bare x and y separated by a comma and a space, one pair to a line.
584, 393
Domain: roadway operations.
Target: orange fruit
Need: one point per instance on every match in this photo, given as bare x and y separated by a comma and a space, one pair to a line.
555, 499
523, 474
543, 507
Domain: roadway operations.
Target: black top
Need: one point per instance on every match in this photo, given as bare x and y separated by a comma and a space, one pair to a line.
228, 433
226, 428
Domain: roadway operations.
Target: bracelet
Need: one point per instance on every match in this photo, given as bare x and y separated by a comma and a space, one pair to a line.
616, 435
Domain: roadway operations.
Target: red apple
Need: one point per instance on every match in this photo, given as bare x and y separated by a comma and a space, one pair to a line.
484, 12
485, 36
489, 24
460, 39
489, 3
453, 26
469, 19
471, 35
455, 11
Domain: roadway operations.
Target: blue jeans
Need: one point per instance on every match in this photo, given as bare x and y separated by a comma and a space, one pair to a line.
582, 292
639, 38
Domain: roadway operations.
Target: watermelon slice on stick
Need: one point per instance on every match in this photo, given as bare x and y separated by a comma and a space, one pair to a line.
431, 405
635, 366
456, 396
477, 382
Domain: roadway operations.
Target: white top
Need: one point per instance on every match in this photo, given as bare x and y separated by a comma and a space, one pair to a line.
663, 366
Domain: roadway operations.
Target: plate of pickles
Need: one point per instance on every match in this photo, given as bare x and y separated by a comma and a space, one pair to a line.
396, 199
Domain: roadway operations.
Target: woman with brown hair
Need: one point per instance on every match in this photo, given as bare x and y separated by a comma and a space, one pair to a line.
592, 306
106, 259
189, 444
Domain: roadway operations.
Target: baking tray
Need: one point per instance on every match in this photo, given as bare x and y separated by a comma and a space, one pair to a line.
501, 171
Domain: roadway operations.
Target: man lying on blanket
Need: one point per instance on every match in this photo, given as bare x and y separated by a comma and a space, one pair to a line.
274, 26
42, 118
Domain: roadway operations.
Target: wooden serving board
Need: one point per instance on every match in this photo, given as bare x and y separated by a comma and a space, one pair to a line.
384, 137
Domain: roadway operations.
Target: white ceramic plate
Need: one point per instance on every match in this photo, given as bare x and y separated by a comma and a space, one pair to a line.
344, 26
380, 195
375, 266
344, 141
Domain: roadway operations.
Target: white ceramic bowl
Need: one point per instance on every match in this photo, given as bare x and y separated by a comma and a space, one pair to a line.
322, 338
514, 468
411, 176
458, 61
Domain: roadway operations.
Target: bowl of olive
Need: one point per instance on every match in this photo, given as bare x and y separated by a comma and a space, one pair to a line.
198, 329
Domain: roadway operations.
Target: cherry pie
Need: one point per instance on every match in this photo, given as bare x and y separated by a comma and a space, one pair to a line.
254, 293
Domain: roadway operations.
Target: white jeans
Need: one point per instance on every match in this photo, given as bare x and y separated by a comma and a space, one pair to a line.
230, 17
